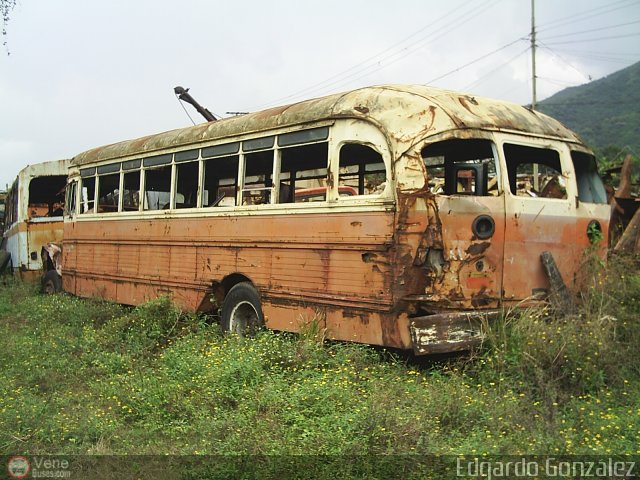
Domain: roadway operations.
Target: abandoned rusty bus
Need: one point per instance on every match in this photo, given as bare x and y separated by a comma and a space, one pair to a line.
33, 216
451, 200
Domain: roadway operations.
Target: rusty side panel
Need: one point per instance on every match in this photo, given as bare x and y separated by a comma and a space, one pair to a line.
329, 264
443, 265
27, 240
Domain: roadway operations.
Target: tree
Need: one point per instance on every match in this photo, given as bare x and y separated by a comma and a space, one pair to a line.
6, 7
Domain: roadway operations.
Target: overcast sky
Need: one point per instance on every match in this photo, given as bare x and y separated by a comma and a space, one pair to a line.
83, 73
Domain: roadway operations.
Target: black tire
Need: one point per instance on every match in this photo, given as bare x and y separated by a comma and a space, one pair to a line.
51, 283
241, 310
5, 260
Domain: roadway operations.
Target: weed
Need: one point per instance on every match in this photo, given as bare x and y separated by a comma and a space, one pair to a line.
80, 376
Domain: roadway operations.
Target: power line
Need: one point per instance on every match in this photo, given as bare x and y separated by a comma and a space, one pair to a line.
586, 77
475, 61
587, 40
601, 56
459, 23
390, 56
560, 83
586, 102
360, 64
587, 14
593, 30
488, 74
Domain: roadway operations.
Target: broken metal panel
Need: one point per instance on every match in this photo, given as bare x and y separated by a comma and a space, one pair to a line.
559, 294
532, 227
448, 332
368, 326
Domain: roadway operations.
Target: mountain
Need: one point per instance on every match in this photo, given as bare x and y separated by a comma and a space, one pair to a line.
604, 112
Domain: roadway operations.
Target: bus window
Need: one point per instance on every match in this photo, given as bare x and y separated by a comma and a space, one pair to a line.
220, 181
88, 194
258, 183
157, 188
46, 196
534, 172
187, 185
461, 167
131, 191
71, 198
304, 168
362, 168
108, 192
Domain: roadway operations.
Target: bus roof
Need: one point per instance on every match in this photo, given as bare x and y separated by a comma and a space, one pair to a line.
407, 113
44, 169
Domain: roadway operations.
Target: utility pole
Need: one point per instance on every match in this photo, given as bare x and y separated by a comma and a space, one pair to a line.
533, 53
536, 180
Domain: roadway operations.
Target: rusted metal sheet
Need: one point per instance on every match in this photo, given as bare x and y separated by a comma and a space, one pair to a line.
333, 265
449, 332
559, 294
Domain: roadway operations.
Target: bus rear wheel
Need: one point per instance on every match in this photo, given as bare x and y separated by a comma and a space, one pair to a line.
51, 283
241, 310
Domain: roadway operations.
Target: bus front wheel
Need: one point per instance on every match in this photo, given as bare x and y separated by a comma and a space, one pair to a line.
51, 283
241, 310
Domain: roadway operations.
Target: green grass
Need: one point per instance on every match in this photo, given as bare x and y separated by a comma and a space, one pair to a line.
86, 377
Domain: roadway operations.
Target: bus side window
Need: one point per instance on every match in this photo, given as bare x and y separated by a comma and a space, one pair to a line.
362, 169
71, 197
461, 167
220, 181
46, 196
88, 191
131, 191
187, 184
303, 176
258, 184
534, 172
108, 194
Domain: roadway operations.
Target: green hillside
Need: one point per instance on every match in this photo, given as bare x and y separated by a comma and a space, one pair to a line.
604, 112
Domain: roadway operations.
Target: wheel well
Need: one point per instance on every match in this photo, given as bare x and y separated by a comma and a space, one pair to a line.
219, 290
232, 280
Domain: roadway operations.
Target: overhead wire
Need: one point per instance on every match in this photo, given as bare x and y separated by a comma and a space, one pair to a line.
585, 15
459, 22
479, 80
392, 55
546, 47
588, 40
592, 30
482, 57
402, 49
366, 61
620, 58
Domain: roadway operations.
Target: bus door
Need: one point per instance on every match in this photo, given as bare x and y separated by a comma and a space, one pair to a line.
540, 217
464, 176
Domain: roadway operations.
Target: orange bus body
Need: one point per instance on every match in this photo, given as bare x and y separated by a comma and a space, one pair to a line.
402, 263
